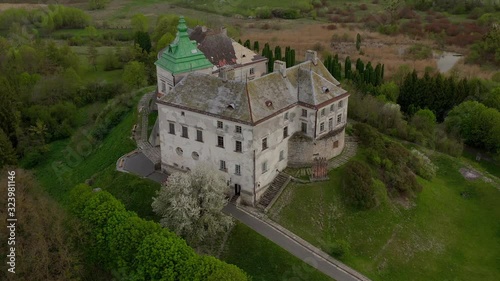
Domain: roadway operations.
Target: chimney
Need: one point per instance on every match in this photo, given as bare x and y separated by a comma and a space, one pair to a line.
312, 56
223, 31
224, 72
280, 66
203, 29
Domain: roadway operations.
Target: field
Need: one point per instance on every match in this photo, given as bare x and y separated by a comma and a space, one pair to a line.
449, 233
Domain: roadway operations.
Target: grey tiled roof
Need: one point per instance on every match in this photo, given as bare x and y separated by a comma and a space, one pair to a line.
259, 98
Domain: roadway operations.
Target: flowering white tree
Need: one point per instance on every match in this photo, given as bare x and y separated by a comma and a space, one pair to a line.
190, 204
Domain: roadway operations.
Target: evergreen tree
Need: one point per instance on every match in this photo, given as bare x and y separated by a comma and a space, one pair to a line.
292, 57
239, 42
358, 42
377, 78
256, 46
360, 67
247, 44
277, 53
382, 74
347, 68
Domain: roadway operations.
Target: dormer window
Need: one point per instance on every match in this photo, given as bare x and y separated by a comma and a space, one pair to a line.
325, 89
231, 106
269, 103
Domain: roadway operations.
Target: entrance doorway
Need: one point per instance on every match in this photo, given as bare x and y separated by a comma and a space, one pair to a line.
237, 189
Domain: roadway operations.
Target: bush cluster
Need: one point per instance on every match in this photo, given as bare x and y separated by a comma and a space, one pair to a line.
137, 249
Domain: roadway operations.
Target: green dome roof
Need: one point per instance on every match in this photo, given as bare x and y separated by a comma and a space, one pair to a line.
182, 55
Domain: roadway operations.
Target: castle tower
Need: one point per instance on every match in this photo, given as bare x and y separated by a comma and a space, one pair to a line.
180, 58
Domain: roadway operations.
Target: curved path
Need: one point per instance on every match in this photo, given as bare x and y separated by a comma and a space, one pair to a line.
295, 245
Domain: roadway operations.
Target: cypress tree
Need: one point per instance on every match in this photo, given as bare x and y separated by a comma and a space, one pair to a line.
277, 53
376, 79
256, 46
358, 42
292, 57
247, 44
347, 68
239, 42
382, 74
270, 63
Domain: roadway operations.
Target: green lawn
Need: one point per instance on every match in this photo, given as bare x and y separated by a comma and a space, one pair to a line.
442, 237
264, 260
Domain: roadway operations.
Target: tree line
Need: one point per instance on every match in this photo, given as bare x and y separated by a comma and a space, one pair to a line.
288, 56
138, 249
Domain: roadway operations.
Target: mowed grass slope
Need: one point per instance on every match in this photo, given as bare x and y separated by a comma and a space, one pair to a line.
264, 260
443, 236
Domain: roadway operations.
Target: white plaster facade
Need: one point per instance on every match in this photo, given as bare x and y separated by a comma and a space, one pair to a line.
303, 99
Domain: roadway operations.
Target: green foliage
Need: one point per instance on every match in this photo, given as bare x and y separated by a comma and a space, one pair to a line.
7, 153
256, 46
358, 186
487, 50
424, 120
420, 52
133, 247
422, 165
98, 4
164, 41
110, 60
143, 40
139, 22
263, 12
390, 90
477, 124
134, 75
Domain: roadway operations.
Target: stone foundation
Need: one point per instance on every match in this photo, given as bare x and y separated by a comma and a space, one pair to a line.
302, 150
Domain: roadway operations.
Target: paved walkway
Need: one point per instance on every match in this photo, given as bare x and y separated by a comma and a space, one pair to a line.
295, 245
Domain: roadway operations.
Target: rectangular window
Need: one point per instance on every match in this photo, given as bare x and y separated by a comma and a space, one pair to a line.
285, 132
335, 144
220, 141
322, 126
199, 135
220, 125
341, 103
252, 71
237, 170
163, 86
330, 124
286, 116
282, 155
238, 129
264, 166
222, 165
339, 118
323, 112
332, 108
171, 128
264, 143
184, 132
238, 146
304, 127
304, 113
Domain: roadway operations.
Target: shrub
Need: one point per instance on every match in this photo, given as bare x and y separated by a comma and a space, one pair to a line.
263, 13
358, 186
338, 248
422, 165
285, 13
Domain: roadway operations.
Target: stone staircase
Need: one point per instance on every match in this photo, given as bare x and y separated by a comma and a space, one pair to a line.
273, 191
152, 153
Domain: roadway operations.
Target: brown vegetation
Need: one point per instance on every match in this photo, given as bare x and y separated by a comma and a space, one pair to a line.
44, 234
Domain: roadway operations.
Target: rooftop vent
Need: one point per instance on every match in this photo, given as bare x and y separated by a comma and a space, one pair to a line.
231, 106
325, 89
269, 103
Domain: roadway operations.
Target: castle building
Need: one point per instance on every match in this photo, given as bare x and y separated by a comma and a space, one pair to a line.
249, 129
